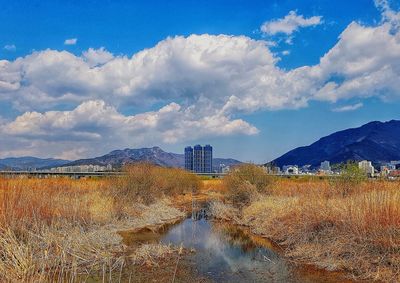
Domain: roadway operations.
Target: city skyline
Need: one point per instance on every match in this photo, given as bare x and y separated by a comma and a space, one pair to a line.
254, 79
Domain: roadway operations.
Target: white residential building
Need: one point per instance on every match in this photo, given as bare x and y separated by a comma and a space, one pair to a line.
366, 167
290, 169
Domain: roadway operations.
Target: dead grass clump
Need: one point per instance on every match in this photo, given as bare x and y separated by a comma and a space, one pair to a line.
150, 254
52, 254
145, 183
27, 201
245, 182
224, 211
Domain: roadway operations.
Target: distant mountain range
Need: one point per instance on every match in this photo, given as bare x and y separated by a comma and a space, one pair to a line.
154, 155
378, 142
116, 158
29, 163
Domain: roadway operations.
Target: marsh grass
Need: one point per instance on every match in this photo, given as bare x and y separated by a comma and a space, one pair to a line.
352, 226
245, 182
61, 230
145, 183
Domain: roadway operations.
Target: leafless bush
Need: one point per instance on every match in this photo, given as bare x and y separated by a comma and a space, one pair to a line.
245, 182
145, 182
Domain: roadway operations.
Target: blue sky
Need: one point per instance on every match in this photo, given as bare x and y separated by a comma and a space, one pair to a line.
262, 77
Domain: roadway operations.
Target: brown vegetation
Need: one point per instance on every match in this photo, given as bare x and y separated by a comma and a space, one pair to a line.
340, 224
146, 183
62, 229
245, 183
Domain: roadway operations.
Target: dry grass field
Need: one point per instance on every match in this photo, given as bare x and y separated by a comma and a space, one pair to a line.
66, 230
333, 224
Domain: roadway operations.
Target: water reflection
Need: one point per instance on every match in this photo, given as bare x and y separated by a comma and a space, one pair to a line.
225, 253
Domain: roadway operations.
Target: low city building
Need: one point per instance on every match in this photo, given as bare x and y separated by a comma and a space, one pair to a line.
290, 169
325, 166
394, 174
82, 169
366, 167
225, 168
273, 170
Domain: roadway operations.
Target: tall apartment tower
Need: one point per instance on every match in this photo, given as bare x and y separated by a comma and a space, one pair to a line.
199, 159
207, 159
198, 162
189, 158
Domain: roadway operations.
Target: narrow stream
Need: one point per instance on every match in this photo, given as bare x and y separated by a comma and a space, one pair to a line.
227, 253
224, 253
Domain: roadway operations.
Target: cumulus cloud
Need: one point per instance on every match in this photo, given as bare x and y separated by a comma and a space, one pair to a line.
203, 82
94, 124
289, 24
95, 57
200, 69
365, 62
70, 41
348, 107
387, 13
10, 47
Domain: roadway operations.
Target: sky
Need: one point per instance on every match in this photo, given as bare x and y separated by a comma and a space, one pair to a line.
254, 79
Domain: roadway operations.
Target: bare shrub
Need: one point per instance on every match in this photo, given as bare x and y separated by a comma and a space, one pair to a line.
349, 180
145, 182
245, 182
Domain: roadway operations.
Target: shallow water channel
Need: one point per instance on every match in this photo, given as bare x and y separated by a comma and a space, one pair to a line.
228, 253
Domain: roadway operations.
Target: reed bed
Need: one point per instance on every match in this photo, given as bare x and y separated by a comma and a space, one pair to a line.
316, 222
59, 229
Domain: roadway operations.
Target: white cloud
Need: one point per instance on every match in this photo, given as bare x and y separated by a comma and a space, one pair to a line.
348, 107
285, 52
93, 126
203, 81
215, 73
96, 57
366, 60
10, 47
70, 41
289, 24
387, 13
200, 69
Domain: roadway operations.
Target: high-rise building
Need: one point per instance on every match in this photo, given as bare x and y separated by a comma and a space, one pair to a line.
189, 158
199, 159
207, 159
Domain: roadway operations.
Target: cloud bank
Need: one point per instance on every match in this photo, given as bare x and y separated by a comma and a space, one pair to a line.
197, 86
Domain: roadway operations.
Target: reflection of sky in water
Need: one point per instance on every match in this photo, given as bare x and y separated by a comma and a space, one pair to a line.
225, 255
